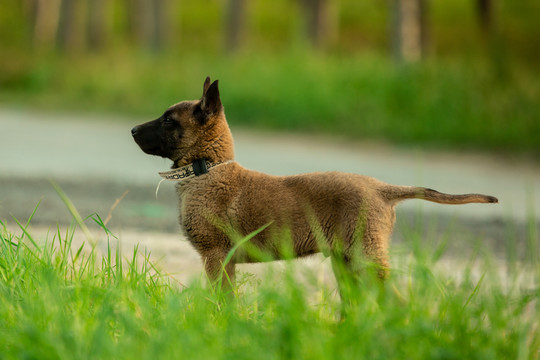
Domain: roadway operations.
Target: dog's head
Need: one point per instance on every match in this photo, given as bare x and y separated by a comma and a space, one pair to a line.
189, 130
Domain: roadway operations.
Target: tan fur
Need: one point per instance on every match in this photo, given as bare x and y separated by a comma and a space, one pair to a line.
345, 215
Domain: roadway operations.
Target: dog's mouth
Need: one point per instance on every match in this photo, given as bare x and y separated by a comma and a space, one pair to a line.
149, 148
154, 150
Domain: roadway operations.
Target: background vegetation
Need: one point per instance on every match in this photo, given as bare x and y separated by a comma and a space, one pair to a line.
475, 84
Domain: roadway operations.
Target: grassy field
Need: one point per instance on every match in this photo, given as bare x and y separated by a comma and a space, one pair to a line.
60, 301
478, 104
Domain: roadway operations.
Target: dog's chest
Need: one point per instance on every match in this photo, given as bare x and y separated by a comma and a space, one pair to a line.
199, 200
185, 202
202, 209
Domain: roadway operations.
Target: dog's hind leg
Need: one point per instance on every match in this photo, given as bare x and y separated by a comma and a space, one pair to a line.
364, 265
357, 278
374, 257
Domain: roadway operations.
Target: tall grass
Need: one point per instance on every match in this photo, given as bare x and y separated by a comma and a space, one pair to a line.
61, 301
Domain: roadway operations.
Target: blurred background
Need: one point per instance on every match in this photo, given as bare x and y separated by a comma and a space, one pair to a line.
454, 74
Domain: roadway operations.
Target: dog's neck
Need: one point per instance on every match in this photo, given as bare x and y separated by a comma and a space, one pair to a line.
215, 149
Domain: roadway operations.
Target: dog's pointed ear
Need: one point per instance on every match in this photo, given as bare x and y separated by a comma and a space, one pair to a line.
211, 102
206, 85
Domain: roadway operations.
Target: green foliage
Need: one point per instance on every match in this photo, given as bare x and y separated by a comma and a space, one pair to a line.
63, 301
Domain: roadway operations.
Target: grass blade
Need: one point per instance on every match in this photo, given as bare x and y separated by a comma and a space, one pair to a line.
243, 241
73, 210
475, 290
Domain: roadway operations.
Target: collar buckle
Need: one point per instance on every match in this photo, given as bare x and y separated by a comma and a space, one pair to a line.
199, 167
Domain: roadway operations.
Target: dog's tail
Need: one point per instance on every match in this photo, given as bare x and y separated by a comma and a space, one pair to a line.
399, 193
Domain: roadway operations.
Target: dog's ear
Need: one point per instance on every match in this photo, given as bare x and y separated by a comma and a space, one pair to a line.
210, 102
206, 85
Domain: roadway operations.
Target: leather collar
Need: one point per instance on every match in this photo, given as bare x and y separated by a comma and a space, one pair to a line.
197, 168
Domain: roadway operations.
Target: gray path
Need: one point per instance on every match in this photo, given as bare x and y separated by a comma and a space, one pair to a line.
36, 145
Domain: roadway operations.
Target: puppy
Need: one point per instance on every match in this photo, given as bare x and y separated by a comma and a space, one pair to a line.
348, 216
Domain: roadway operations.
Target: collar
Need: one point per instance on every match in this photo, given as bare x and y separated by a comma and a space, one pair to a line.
196, 168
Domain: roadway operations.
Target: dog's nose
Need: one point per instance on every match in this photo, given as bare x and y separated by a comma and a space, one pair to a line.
134, 131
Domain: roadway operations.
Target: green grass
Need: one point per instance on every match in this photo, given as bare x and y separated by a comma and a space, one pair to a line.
61, 301
477, 103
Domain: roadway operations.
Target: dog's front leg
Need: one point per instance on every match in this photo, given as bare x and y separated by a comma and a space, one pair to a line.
219, 274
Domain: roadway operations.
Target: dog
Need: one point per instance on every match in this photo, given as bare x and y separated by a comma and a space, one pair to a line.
346, 216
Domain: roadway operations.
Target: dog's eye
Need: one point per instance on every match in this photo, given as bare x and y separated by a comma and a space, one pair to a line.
167, 120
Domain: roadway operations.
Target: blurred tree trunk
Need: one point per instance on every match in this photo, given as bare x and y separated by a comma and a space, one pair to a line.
97, 25
321, 21
409, 29
45, 16
160, 24
141, 21
485, 15
71, 25
66, 25
494, 42
148, 23
235, 24
129, 13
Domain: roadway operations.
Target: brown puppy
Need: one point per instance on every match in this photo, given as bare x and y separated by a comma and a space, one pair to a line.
348, 216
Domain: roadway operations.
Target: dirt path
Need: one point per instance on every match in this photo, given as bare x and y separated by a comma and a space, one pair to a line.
95, 161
